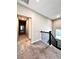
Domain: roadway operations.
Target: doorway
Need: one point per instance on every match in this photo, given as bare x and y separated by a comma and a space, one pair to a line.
22, 27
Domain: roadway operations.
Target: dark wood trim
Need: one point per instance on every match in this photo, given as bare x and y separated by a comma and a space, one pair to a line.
44, 32
49, 37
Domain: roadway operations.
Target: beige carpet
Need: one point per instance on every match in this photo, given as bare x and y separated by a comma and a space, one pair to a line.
37, 50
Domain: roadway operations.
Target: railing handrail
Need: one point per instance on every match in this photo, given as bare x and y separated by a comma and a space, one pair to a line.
53, 36
44, 32
52, 39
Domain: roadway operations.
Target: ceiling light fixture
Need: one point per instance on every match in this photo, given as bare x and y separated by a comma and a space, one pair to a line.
37, 0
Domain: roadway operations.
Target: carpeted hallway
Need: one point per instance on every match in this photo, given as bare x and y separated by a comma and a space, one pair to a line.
37, 50
23, 39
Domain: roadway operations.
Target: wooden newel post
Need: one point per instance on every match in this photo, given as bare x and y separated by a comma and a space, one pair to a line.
49, 37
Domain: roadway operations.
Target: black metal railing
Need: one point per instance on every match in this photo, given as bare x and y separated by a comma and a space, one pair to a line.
51, 39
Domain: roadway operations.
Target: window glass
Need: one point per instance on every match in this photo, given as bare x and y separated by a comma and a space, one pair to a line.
58, 33
21, 28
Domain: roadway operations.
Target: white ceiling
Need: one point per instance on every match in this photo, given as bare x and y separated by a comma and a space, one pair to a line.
48, 8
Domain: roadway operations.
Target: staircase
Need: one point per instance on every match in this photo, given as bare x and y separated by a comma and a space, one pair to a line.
48, 36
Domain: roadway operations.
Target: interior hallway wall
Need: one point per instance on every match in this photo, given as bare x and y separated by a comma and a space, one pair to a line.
56, 25
39, 23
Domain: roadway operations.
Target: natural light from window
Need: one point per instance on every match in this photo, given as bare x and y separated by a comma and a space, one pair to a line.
58, 34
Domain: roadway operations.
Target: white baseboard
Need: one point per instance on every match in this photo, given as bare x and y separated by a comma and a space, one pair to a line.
35, 40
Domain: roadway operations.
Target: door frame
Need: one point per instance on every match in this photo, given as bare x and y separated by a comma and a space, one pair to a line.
28, 25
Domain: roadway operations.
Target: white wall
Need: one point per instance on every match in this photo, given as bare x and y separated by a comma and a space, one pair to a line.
38, 22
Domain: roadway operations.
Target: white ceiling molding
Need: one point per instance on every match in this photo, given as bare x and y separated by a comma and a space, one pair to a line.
56, 19
48, 8
33, 10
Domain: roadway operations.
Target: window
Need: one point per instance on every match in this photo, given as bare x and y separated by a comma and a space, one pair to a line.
58, 33
21, 28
